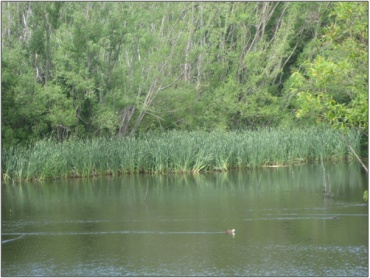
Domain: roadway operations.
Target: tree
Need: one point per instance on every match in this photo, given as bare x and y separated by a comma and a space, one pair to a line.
105, 69
331, 86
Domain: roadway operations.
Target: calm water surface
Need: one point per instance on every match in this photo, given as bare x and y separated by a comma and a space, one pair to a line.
174, 225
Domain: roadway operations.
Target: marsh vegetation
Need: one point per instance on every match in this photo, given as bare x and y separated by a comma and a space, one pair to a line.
176, 152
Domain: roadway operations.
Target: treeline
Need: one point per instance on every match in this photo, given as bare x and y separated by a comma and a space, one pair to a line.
93, 69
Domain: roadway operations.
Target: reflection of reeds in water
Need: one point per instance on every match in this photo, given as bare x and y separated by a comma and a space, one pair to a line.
326, 182
174, 152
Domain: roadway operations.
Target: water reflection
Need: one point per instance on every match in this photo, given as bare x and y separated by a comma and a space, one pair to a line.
174, 225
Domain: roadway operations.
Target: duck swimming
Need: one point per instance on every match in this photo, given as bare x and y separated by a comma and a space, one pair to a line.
230, 232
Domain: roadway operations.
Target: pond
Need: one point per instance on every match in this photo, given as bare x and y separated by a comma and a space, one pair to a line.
174, 225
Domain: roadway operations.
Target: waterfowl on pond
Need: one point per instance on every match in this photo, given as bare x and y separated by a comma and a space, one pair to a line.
230, 232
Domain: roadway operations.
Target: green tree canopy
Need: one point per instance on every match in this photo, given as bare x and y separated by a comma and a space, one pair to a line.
91, 69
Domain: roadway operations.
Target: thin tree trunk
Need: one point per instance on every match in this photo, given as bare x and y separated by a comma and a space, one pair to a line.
126, 117
47, 58
357, 157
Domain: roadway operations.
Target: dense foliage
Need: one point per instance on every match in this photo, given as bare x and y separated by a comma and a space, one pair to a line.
93, 69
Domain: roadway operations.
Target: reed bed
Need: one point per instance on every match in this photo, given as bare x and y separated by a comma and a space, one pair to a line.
175, 152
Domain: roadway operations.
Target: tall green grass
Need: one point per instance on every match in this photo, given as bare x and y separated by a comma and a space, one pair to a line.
175, 152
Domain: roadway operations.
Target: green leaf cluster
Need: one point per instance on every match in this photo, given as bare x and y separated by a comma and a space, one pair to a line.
330, 85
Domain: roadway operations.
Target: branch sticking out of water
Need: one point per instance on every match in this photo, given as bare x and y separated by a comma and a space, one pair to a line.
326, 182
